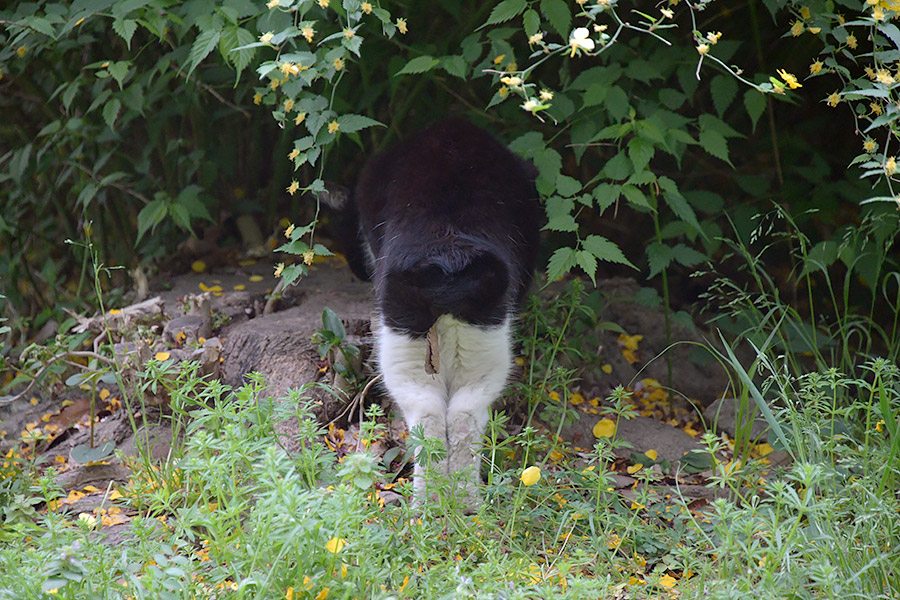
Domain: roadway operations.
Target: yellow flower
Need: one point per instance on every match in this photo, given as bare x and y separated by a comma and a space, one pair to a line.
308, 257
604, 428
531, 475
797, 28
333, 127
833, 99
338, 64
714, 37
271, 3
324, 3
851, 41
804, 12
816, 67
299, 118
291, 156
349, 33
366, 7
814, 30
198, 266
324, 593
883, 77
789, 79
667, 13
546, 95
536, 38
289, 594
503, 91
890, 166
292, 189
703, 49
401, 26
308, 33
875, 108
22, 51
162, 356
335, 545
530, 105
257, 98
878, 13
581, 40
879, 426
499, 59
273, 84
289, 231
279, 268
266, 37
288, 105
512, 81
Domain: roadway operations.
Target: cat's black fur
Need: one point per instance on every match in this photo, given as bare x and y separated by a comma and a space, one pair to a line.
451, 219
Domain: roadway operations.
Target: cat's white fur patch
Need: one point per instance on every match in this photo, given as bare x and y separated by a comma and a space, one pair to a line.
451, 405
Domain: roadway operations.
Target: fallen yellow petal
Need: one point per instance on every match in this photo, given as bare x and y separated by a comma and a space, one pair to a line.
161, 356
651, 454
604, 428
667, 581
335, 545
531, 475
198, 266
634, 468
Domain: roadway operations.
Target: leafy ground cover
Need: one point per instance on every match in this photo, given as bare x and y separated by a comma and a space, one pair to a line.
228, 513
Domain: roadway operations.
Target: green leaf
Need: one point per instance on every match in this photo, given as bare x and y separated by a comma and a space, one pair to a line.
559, 15
681, 208
619, 167
351, 123
635, 196
659, 256
505, 11
640, 151
292, 273
687, 256
715, 144
532, 22
150, 216
455, 65
125, 28
201, 48
723, 89
567, 186
606, 195
83, 453
332, 322
755, 103
119, 70
588, 264
604, 249
696, 461
420, 64
559, 213
560, 263
111, 112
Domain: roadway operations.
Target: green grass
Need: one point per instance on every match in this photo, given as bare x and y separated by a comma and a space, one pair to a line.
231, 515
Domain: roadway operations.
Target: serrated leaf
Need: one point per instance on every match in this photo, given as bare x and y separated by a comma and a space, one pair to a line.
420, 64
618, 167
755, 103
723, 90
125, 29
891, 31
560, 263
588, 263
715, 144
687, 256
562, 223
119, 70
604, 249
659, 256
681, 208
505, 11
455, 65
201, 48
606, 195
567, 186
150, 216
351, 123
111, 112
640, 151
291, 273
635, 196
559, 15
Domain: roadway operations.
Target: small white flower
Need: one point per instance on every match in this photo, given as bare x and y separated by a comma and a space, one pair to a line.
512, 81
530, 105
581, 39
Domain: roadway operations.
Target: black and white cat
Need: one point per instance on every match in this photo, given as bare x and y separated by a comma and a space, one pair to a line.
449, 222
